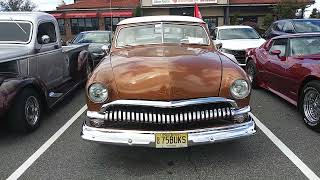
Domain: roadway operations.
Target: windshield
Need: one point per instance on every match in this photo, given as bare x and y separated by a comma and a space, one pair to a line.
15, 32
305, 26
305, 46
162, 33
238, 33
93, 37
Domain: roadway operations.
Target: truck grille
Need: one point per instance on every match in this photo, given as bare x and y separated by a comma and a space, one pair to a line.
166, 116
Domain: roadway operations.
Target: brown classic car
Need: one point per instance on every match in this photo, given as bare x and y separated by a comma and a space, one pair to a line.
164, 85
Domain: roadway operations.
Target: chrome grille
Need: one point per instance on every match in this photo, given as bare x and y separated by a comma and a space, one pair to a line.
168, 115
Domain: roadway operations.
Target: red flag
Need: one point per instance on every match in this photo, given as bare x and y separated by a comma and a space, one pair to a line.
197, 12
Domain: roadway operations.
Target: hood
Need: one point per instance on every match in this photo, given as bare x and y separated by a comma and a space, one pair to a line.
166, 73
241, 44
11, 52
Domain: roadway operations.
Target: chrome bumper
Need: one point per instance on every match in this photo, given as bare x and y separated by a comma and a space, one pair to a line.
147, 138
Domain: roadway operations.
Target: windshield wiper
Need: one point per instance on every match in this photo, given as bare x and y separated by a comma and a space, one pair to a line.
18, 25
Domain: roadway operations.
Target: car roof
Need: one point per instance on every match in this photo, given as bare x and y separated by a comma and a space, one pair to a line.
234, 27
146, 19
33, 17
312, 19
297, 35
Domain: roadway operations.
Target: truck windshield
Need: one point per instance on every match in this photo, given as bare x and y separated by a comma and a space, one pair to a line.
15, 32
162, 33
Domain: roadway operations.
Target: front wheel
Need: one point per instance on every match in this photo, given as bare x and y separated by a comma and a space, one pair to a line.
311, 105
24, 115
251, 70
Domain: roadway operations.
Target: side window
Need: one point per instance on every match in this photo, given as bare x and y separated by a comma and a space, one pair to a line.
288, 27
278, 26
280, 44
47, 28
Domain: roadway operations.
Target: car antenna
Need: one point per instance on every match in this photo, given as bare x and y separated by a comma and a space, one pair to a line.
18, 25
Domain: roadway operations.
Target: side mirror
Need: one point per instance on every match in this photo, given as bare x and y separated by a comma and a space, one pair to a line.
45, 39
106, 48
276, 52
219, 45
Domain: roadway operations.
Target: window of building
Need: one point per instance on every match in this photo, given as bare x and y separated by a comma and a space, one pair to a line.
115, 21
84, 24
47, 28
61, 26
212, 23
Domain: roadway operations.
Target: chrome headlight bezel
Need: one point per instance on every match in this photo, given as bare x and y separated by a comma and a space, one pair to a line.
244, 85
98, 93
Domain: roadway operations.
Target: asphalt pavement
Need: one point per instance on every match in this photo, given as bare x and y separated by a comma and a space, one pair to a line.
255, 157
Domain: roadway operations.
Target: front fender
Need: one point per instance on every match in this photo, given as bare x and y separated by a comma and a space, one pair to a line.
11, 86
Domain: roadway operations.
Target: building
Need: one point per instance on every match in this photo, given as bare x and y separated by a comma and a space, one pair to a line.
86, 15
214, 12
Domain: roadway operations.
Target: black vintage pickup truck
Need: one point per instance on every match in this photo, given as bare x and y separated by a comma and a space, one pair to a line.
36, 71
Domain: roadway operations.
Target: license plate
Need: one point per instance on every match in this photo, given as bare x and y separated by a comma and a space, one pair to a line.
171, 140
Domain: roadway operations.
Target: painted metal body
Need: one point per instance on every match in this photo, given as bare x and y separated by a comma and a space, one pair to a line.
165, 77
44, 67
287, 75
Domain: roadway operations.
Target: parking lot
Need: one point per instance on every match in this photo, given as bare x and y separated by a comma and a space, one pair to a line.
46, 155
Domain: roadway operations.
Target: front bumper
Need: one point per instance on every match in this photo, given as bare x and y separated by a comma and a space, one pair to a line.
147, 138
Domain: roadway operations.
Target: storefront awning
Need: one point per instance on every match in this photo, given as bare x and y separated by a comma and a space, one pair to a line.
117, 14
81, 15
57, 15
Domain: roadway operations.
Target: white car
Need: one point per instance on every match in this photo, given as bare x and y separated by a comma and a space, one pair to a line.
236, 39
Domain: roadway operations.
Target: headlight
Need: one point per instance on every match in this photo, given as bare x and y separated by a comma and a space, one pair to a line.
240, 89
98, 93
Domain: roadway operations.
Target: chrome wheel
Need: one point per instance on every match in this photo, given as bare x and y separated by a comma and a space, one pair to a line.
311, 106
32, 110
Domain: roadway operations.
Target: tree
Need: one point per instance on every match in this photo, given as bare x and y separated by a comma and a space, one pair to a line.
267, 21
315, 13
137, 11
288, 9
235, 19
17, 5
62, 3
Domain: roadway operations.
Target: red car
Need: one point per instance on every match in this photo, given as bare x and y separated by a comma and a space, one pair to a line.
289, 66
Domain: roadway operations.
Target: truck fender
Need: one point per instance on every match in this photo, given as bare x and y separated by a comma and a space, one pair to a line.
11, 87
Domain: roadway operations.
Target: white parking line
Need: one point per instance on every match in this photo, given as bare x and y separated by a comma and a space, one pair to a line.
286, 151
45, 146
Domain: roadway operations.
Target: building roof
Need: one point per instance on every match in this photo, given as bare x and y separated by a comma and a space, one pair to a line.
160, 19
264, 1
234, 27
90, 4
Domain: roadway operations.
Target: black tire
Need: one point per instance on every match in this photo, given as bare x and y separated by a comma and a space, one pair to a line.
251, 70
18, 118
311, 109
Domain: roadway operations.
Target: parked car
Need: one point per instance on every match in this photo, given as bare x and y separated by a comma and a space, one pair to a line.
99, 43
236, 39
292, 26
35, 70
289, 66
171, 89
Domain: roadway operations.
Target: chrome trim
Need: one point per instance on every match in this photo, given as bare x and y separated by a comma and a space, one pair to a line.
170, 104
147, 138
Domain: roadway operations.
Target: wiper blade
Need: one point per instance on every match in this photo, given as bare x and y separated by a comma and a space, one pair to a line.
18, 25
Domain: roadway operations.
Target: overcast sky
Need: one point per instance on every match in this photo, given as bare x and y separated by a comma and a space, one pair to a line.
47, 5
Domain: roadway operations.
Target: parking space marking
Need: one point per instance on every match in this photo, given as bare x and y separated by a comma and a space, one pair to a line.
286, 151
45, 146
